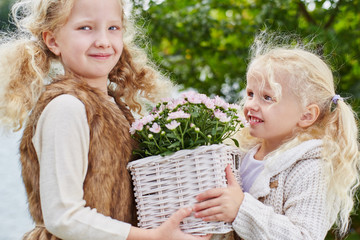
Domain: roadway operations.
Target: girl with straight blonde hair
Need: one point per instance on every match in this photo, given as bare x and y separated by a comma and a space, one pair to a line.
300, 167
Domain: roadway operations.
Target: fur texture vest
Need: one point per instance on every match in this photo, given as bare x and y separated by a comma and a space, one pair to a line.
107, 185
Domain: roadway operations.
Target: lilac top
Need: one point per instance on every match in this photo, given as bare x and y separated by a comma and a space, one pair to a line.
250, 168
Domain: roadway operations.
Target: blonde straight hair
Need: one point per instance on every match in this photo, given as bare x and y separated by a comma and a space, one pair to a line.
311, 80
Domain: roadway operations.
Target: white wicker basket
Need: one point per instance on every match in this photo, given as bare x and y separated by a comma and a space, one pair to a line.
162, 185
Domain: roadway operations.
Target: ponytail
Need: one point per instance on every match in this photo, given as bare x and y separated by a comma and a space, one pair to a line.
341, 150
24, 64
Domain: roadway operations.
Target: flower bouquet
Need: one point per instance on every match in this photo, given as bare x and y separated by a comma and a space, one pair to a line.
182, 155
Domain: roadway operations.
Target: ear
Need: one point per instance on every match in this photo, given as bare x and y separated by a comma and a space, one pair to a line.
50, 41
309, 116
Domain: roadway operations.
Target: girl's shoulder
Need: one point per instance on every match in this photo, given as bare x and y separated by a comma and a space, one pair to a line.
65, 103
297, 153
63, 109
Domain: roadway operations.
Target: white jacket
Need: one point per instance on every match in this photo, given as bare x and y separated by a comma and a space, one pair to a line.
288, 200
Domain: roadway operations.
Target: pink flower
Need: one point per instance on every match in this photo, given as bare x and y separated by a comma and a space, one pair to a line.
149, 118
221, 116
234, 106
155, 128
178, 114
132, 130
209, 103
161, 108
136, 126
174, 124
241, 118
196, 99
220, 103
188, 94
175, 103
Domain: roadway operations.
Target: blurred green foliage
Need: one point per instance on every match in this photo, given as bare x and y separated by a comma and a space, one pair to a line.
204, 44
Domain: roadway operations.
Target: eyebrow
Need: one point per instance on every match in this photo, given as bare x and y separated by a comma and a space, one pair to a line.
90, 20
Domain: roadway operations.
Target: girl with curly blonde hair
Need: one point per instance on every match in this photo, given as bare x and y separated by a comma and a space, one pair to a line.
300, 167
73, 75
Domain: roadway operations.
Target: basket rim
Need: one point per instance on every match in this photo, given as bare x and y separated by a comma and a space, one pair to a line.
180, 153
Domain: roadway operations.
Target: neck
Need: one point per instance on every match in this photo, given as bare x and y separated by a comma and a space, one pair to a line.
266, 148
100, 84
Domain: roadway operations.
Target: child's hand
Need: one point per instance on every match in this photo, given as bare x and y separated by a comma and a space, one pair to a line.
220, 204
170, 229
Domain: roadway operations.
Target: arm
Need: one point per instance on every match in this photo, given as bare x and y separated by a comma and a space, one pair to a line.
61, 142
169, 230
305, 208
305, 213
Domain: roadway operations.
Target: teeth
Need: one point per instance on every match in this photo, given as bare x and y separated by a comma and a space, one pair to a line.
252, 119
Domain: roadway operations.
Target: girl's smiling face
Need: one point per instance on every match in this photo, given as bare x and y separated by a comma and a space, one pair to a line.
90, 43
271, 119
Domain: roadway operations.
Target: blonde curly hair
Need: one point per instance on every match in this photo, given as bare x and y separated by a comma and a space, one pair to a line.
27, 64
310, 78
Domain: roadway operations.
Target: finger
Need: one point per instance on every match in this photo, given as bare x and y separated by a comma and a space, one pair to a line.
179, 215
209, 212
206, 204
213, 218
230, 177
206, 237
212, 193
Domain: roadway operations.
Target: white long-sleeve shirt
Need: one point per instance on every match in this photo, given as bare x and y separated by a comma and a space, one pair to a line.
61, 142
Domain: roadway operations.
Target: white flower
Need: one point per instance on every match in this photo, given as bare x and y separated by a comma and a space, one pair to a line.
174, 124
137, 125
155, 128
149, 118
178, 102
191, 112
241, 118
132, 130
221, 116
209, 103
195, 99
220, 103
234, 107
178, 114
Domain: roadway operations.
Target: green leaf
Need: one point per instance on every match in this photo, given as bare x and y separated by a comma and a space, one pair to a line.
236, 142
174, 145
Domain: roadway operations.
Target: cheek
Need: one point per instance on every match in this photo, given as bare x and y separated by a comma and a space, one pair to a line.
120, 47
245, 111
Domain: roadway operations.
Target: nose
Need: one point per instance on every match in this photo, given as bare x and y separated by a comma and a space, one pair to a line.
102, 40
251, 104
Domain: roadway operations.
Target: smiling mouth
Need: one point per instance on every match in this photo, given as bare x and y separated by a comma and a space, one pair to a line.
101, 56
254, 120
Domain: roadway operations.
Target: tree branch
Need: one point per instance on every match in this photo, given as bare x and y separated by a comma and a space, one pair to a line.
306, 14
333, 16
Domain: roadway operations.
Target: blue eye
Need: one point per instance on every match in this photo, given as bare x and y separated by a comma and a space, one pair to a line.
85, 28
250, 94
268, 98
114, 28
